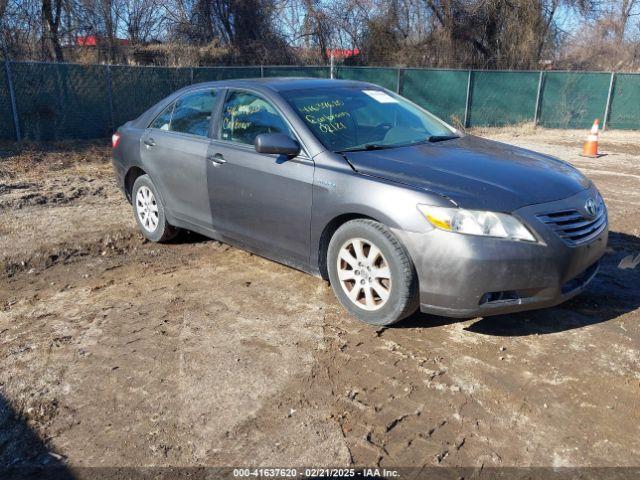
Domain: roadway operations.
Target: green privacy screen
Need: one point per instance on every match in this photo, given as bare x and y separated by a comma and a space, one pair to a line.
135, 89
442, 92
61, 101
625, 102
7, 131
209, 74
502, 98
315, 72
573, 99
385, 77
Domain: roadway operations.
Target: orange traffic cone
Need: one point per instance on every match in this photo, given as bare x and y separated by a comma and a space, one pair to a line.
590, 147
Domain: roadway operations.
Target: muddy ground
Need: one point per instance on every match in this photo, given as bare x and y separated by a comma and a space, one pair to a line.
120, 352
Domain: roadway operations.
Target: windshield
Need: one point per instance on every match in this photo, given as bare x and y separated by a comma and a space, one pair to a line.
360, 118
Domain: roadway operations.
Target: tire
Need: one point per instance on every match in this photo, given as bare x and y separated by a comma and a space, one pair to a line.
149, 211
375, 254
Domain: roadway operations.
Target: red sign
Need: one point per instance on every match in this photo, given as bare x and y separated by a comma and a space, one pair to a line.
95, 40
343, 52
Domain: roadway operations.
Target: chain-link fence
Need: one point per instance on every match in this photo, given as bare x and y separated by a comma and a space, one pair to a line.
49, 101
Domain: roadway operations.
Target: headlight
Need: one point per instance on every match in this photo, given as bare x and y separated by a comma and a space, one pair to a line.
476, 222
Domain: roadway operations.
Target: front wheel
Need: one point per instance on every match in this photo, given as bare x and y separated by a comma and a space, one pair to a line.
149, 211
371, 273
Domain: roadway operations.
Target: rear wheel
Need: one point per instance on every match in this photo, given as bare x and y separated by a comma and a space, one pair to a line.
371, 273
149, 211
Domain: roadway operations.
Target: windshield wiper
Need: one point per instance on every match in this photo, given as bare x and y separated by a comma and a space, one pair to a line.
377, 146
441, 138
368, 146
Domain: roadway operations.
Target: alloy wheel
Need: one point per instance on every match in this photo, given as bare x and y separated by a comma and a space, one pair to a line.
364, 274
147, 208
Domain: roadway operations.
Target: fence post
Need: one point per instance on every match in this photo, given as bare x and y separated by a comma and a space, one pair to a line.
261, 71
331, 66
399, 80
110, 97
12, 97
191, 75
608, 106
538, 94
466, 105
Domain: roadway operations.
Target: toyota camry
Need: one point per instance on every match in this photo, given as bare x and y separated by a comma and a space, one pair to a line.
398, 210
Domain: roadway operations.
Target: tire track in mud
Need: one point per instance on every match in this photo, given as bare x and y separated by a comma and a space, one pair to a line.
395, 405
94, 317
52, 198
116, 242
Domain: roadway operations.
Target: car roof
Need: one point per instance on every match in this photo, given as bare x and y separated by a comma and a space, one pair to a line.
280, 84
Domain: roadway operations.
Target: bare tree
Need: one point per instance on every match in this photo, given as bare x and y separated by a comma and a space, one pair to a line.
621, 17
509, 34
142, 19
51, 16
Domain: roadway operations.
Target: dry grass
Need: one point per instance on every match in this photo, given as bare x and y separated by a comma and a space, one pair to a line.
34, 158
528, 129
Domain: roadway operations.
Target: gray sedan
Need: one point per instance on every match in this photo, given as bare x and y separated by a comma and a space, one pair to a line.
355, 184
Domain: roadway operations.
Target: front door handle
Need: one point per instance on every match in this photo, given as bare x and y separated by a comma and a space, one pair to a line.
218, 158
150, 142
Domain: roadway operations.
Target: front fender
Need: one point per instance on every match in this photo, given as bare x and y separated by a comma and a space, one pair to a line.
342, 193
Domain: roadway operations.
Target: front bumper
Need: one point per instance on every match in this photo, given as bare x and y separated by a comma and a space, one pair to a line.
466, 276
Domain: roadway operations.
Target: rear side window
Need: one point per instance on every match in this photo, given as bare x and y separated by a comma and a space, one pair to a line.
189, 114
193, 113
246, 116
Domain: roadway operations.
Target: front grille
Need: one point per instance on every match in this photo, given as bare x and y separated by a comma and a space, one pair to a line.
574, 227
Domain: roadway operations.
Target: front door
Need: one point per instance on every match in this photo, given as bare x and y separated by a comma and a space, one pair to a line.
174, 152
263, 200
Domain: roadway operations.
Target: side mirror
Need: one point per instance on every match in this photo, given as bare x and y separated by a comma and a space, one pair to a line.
276, 143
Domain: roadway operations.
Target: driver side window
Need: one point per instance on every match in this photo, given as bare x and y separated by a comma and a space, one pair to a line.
245, 116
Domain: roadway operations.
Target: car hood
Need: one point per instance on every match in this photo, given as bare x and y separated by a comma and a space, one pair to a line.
475, 173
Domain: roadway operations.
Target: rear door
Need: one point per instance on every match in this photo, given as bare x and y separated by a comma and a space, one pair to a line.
263, 200
174, 151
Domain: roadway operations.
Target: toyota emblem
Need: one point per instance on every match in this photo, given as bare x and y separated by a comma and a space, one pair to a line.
591, 208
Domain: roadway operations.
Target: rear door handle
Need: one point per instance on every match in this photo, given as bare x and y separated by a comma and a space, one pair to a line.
150, 142
218, 158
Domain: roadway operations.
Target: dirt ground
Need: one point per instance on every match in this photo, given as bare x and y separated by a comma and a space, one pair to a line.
119, 352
